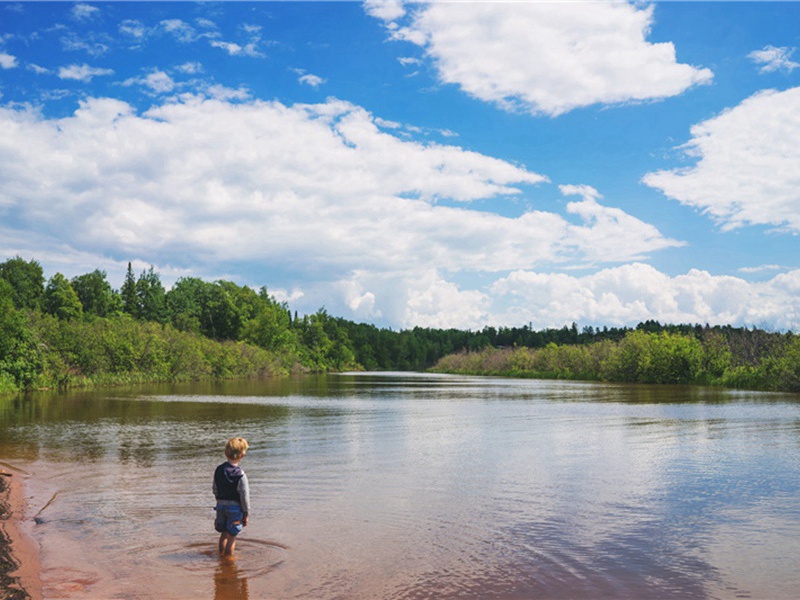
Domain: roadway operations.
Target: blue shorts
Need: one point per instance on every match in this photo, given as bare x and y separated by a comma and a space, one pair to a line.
229, 518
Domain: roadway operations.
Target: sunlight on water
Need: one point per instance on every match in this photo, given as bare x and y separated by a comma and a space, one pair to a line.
411, 486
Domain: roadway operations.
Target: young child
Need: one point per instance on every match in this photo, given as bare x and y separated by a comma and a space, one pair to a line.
233, 496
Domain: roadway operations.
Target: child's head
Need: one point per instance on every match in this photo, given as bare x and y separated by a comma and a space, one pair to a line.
235, 448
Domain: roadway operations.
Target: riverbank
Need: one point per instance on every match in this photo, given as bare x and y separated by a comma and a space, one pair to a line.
19, 554
642, 357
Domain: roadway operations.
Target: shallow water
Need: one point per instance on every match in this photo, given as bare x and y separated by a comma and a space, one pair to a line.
415, 486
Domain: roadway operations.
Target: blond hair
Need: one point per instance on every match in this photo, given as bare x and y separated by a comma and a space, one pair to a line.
236, 447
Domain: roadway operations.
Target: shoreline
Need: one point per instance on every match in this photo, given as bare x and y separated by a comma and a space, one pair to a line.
20, 567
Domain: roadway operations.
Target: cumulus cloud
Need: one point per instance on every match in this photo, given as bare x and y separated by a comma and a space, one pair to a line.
7, 61
233, 49
386, 10
774, 59
190, 68
82, 12
319, 188
602, 226
542, 57
134, 28
746, 171
82, 72
181, 30
410, 298
312, 80
156, 81
632, 293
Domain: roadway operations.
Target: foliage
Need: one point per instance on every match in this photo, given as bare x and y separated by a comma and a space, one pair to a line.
60, 298
130, 304
26, 279
648, 357
121, 349
82, 332
96, 295
20, 360
151, 304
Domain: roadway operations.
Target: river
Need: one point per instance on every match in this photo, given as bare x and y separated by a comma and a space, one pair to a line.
414, 486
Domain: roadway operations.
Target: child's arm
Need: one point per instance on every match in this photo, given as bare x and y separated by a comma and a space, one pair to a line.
244, 497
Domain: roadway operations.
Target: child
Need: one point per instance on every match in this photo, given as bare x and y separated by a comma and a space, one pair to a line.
233, 496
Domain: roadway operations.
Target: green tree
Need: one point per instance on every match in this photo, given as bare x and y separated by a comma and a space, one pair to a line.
130, 303
208, 308
20, 358
60, 299
271, 326
151, 297
26, 279
222, 318
184, 303
96, 294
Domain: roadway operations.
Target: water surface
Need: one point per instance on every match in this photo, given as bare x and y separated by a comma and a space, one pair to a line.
415, 486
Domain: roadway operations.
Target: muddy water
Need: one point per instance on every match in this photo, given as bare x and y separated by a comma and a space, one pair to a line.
400, 486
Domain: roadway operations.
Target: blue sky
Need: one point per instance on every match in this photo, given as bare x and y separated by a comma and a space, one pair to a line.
432, 164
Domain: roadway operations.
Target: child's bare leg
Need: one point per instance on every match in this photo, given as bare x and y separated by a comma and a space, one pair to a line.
227, 543
222, 542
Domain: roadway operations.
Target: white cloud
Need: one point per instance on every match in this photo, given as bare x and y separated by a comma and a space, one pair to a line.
234, 49
7, 61
312, 80
157, 81
407, 61
182, 31
747, 170
82, 12
226, 94
542, 57
435, 302
774, 59
133, 28
760, 268
386, 10
602, 227
632, 293
82, 72
207, 23
309, 188
39, 70
92, 44
190, 68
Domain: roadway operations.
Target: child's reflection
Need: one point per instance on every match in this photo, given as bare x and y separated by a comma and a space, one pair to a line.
230, 583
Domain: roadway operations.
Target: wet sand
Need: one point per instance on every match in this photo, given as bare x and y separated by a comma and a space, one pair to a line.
19, 554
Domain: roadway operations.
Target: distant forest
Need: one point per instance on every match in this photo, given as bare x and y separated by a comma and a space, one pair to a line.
75, 332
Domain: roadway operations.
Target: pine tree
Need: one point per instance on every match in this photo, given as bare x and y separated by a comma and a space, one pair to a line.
130, 303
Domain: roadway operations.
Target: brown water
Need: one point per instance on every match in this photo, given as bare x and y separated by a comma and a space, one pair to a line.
416, 486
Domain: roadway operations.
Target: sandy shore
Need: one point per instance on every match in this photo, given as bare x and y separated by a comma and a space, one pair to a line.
19, 553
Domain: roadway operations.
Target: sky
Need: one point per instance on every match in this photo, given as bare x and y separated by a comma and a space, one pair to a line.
442, 164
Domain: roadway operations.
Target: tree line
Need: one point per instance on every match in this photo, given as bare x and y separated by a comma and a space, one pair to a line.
651, 353
65, 332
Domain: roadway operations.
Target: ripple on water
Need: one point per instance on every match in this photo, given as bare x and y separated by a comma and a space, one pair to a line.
254, 558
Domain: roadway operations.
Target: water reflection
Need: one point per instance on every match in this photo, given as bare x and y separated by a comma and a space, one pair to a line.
230, 583
390, 486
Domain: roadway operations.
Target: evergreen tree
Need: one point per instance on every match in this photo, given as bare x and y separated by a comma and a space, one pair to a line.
130, 303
